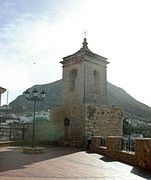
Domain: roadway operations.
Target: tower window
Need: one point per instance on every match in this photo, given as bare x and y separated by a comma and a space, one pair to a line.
73, 77
96, 81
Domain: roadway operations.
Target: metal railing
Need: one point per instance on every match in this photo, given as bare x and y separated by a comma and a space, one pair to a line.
103, 142
128, 144
9, 132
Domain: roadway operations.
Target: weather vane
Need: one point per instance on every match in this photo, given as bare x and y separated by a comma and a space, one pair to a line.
85, 33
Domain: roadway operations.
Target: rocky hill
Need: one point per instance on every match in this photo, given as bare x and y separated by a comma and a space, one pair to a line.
116, 96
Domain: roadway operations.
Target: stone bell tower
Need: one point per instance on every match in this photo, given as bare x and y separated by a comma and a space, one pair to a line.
84, 77
84, 99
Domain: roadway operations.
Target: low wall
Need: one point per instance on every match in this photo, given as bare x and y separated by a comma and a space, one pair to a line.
5, 143
140, 158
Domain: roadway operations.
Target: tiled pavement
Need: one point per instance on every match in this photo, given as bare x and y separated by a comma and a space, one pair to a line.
62, 163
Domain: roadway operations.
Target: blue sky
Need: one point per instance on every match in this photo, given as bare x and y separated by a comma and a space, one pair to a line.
36, 34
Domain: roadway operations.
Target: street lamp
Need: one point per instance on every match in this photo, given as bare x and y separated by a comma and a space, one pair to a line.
34, 97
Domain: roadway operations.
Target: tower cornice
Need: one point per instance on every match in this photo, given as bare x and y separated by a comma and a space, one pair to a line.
84, 52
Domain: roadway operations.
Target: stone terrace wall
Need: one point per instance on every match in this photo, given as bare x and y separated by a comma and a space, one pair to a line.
140, 158
143, 152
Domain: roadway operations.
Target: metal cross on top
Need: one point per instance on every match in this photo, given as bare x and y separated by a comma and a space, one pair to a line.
85, 33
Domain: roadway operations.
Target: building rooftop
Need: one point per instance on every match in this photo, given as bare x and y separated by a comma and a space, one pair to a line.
2, 90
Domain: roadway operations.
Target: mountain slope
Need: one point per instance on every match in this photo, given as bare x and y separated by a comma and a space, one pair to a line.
133, 108
53, 97
116, 96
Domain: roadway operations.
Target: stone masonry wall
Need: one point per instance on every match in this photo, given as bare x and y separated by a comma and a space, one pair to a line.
91, 96
84, 90
58, 114
76, 96
140, 158
101, 120
143, 152
104, 120
76, 129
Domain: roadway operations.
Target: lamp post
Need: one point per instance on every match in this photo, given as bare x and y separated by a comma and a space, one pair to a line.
34, 97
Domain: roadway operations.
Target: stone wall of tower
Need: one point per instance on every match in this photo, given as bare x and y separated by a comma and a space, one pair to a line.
84, 89
76, 128
76, 96
91, 96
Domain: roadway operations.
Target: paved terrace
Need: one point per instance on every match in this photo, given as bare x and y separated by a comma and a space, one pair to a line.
63, 163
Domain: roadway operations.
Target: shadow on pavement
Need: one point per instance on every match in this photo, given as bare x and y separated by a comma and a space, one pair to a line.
13, 157
141, 172
107, 159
